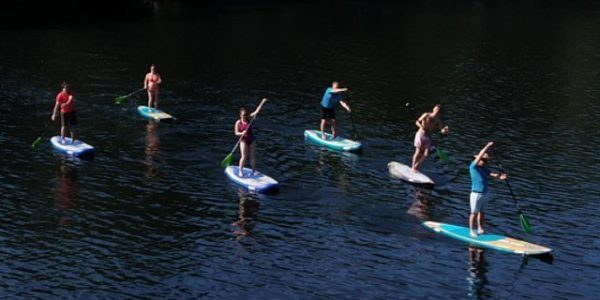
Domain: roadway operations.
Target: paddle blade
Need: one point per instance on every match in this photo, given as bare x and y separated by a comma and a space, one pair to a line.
36, 142
525, 223
227, 160
121, 99
442, 155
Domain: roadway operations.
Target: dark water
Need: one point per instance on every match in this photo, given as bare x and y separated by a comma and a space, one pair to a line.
153, 216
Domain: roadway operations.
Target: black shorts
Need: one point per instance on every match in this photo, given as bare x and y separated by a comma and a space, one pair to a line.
327, 113
68, 119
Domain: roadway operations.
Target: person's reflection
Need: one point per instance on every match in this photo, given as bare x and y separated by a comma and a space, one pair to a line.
68, 188
247, 213
423, 204
152, 149
477, 273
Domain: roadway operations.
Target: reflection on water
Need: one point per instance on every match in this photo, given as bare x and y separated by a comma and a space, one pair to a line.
67, 190
247, 213
151, 150
423, 204
477, 273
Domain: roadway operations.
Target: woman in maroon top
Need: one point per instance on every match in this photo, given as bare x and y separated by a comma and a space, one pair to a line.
243, 128
68, 119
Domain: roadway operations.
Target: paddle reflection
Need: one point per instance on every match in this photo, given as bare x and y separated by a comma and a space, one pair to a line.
477, 274
151, 150
67, 190
247, 213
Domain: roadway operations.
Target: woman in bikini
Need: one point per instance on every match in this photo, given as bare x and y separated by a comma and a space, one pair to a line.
243, 128
151, 83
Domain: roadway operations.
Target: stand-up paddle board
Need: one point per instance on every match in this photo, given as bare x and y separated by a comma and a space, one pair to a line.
77, 148
257, 182
405, 173
337, 143
492, 241
154, 114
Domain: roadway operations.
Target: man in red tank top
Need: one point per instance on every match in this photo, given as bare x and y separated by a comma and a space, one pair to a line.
68, 119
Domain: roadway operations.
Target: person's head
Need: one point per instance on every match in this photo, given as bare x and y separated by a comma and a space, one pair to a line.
152, 68
244, 114
436, 109
484, 160
65, 86
334, 84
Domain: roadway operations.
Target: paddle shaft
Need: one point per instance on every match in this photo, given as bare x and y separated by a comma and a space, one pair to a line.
506, 180
241, 137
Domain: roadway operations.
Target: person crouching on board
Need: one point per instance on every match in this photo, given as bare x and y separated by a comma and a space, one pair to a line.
479, 175
68, 118
151, 82
333, 95
243, 128
427, 123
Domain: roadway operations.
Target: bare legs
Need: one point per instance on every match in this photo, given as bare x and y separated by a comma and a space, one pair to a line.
480, 219
333, 128
244, 155
419, 157
152, 99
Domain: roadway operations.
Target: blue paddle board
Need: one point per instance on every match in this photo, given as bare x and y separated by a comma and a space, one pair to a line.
406, 173
154, 114
337, 143
257, 182
77, 148
492, 241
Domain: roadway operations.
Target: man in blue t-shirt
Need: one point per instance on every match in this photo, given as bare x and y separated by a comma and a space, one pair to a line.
333, 95
479, 182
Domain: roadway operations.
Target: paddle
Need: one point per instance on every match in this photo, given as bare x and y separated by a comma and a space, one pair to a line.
121, 99
441, 153
36, 143
354, 131
227, 160
524, 221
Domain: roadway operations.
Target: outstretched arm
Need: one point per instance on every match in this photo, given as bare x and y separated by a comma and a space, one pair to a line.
346, 106
501, 176
255, 112
339, 90
483, 151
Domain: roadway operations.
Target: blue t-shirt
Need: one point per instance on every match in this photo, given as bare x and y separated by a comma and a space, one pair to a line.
479, 178
330, 99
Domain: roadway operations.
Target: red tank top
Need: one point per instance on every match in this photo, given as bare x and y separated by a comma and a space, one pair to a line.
62, 98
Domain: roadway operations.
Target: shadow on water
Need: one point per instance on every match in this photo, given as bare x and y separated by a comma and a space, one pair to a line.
67, 190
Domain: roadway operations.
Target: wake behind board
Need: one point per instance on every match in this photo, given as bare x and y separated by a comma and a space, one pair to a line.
154, 114
337, 143
405, 173
491, 241
77, 148
257, 182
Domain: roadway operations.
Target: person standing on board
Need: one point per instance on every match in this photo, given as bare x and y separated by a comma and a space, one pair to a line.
428, 123
151, 82
479, 176
68, 118
333, 95
243, 128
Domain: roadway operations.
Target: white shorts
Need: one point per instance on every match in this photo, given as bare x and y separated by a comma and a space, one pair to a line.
477, 201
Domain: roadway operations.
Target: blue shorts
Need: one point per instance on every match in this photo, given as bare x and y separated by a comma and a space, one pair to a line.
477, 201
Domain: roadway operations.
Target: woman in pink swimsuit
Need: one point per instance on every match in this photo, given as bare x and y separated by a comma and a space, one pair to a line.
151, 83
243, 128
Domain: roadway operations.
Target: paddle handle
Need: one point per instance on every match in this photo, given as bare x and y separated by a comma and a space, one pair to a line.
510, 190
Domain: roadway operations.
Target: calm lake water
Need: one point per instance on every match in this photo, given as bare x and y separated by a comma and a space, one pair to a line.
153, 215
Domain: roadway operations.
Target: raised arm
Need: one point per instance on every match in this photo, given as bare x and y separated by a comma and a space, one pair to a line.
483, 151
257, 110
345, 105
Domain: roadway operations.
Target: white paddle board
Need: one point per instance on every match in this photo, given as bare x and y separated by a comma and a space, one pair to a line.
77, 148
405, 173
257, 182
154, 114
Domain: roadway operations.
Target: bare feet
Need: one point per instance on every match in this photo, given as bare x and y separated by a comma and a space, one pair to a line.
480, 231
473, 234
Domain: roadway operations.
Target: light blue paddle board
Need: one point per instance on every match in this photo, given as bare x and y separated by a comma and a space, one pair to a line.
337, 143
492, 241
154, 114
257, 182
77, 148
406, 173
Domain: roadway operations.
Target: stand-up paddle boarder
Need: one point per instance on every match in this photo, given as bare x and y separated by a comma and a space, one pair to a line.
68, 118
332, 96
243, 129
428, 123
151, 83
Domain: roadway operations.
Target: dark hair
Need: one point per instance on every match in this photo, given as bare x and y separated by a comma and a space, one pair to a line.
437, 105
64, 85
243, 110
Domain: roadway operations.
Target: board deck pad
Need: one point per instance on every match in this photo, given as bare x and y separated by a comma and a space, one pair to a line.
492, 241
337, 143
154, 114
77, 148
406, 173
257, 182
